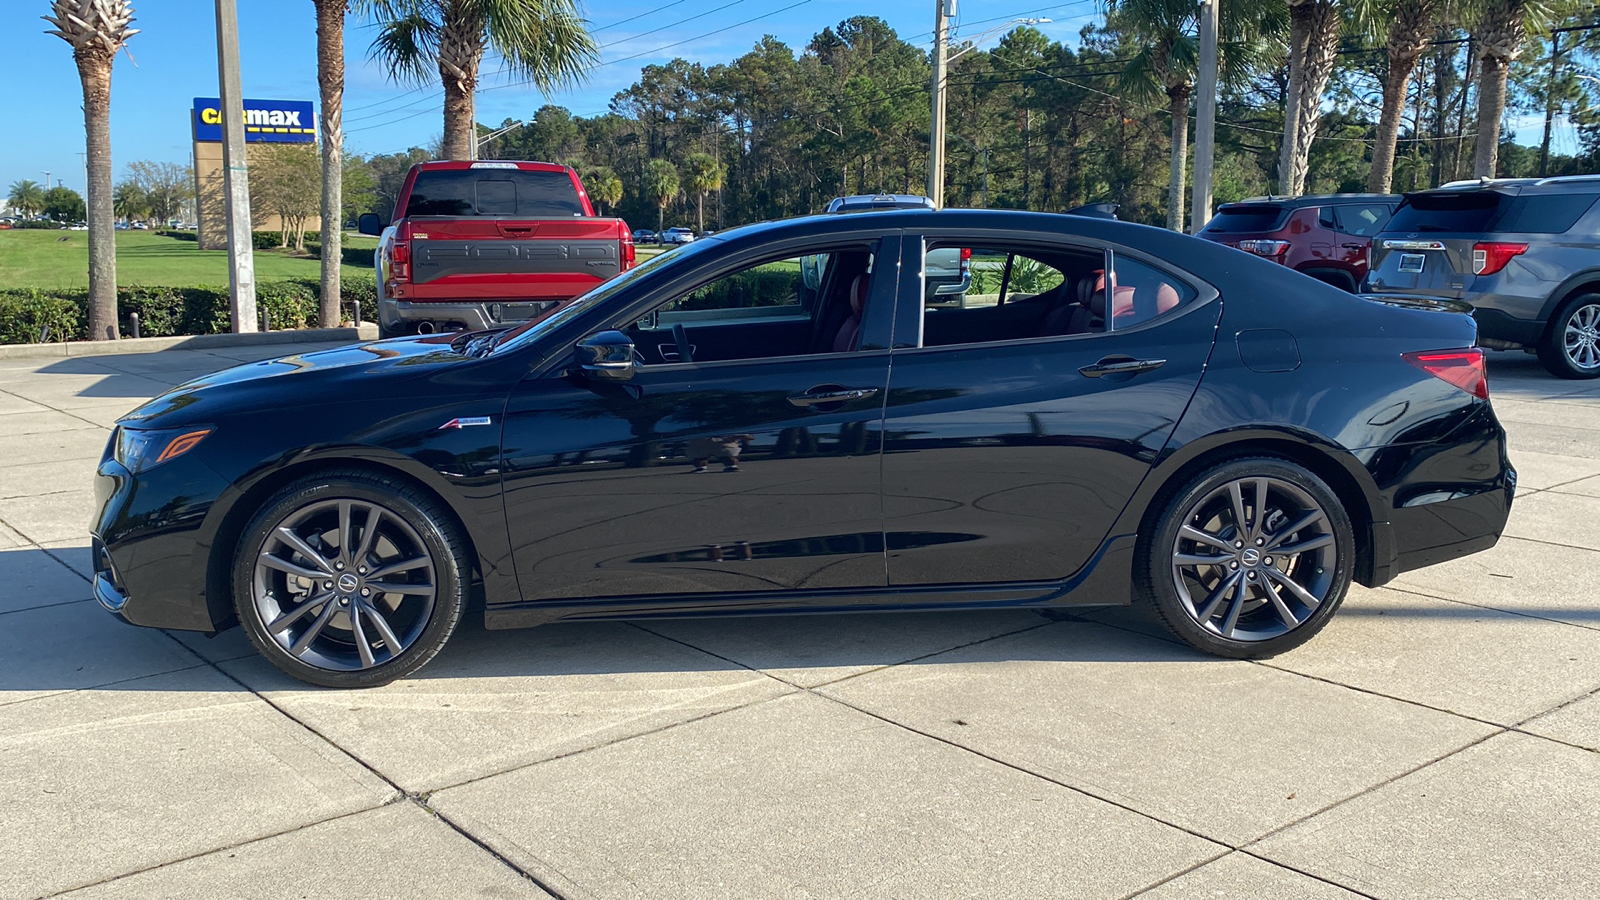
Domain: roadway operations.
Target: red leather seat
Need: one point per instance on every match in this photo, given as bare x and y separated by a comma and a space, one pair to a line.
844, 340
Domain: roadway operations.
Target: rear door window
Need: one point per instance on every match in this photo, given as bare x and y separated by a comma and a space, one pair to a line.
494, 192
1240, 219
1447, 213
1546, 214
1364, 220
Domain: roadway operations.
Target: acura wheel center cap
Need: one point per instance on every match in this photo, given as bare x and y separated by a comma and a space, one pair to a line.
1250, 557
348, 583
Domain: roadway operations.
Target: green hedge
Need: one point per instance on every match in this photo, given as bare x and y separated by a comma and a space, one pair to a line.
289, 303
361, 257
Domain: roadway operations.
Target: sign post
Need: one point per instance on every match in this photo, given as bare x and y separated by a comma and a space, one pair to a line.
235, 172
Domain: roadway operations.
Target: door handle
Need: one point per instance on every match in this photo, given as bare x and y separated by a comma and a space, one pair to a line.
1353, 246
1121, 365
844, 395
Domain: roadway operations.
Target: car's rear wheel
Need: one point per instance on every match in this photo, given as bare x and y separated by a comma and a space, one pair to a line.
350, 579
1570, 347
1249, 558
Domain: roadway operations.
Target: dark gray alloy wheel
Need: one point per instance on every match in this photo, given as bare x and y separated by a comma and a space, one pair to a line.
1250, 559
1571, 349
350, 581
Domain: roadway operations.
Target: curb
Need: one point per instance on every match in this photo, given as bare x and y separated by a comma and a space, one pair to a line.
364, 332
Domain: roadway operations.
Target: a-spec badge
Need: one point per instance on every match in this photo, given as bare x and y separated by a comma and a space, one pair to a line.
464, 421
418, 236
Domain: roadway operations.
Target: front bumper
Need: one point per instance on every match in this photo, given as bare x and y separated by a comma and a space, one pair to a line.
150, 560
405, 315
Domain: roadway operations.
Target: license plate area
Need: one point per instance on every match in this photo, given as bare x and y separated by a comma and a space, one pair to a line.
1412, 263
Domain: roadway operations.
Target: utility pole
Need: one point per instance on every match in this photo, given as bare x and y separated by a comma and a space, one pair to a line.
235, 171
1205, 131
1549, 104
942, 10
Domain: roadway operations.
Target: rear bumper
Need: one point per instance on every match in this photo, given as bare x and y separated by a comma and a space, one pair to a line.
1447, 499
1501, 326
406, 315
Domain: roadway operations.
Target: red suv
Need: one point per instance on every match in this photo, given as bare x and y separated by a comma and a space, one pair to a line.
1326, 236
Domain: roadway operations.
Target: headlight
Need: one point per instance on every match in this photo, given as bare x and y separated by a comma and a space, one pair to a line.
140, 449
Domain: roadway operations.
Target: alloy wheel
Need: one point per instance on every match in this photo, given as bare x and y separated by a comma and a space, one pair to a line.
1254, 559
1581, 337
344, 584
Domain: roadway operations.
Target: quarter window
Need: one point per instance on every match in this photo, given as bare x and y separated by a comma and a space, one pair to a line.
1364, 220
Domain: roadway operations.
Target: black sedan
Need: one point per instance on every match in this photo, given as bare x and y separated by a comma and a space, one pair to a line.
773, 421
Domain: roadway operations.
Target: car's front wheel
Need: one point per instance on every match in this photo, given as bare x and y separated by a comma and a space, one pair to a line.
1570, 347
1249, 559
350, 579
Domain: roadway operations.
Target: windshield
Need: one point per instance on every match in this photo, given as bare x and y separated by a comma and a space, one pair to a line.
523, 334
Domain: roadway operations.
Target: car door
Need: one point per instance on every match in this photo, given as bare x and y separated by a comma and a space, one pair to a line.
1014, 437
720, 467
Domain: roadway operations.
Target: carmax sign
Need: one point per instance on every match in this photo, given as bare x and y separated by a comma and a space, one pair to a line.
271, 121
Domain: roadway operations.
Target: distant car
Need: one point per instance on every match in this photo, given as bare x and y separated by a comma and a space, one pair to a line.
1524, 252
644, 236
1325, 236
141, 226
948, 272
121, 226
677, 236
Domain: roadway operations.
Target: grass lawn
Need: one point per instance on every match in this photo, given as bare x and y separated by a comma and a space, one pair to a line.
42, 259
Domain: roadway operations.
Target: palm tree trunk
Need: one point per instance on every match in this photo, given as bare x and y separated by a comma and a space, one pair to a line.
700, 211
1179, 95
661, 219
1408, 38
1395, 85
330, 78
1491, 107
94, 69
1314, 39
1299, 34
459, 121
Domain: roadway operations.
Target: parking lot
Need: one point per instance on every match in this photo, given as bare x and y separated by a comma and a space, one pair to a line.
1440, 739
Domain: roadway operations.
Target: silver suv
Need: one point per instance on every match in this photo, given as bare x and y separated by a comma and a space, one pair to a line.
1524, 252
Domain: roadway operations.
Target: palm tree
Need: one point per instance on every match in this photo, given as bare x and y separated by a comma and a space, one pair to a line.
542, 41
27, 196
1165, 64
130, 201
661, 186
1499, 27
330, 79
97, 29
1406, 26
1314, 27
702, 175
605, 188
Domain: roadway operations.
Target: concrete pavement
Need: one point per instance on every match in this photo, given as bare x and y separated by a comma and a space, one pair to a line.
1440, 739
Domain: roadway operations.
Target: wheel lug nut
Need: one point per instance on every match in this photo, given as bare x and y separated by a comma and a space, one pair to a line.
366, 592
1268, 560
361, 569
1260, 541
1238, 544
338, 565
327, 585
1251, 574
344, 601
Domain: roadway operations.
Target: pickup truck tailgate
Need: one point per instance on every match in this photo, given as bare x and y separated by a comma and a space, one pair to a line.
454, 259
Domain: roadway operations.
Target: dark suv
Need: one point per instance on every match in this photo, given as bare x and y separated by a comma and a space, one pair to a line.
1324, 236
1524, 252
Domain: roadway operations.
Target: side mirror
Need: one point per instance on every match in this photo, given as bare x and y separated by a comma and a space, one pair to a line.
606, 356
369, 223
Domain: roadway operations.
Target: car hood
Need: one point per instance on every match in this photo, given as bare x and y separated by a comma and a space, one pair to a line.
365, 370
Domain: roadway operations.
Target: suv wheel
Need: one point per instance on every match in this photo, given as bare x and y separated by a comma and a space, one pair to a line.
1570, 347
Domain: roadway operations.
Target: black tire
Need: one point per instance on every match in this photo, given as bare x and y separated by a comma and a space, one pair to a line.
412, 605
1273, 615
1568, 348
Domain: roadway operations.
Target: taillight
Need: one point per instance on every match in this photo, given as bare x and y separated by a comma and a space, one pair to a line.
629, 254
1489, 257
399, 262
1265, 248
1462, 368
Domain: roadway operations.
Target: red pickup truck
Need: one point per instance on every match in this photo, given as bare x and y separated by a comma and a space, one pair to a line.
478, 244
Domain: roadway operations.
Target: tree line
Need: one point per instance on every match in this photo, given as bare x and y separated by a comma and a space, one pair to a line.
1317, 95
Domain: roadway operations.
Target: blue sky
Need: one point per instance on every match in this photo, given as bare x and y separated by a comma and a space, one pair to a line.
174, 60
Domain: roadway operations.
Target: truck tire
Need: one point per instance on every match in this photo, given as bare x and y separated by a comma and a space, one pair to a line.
1570, 347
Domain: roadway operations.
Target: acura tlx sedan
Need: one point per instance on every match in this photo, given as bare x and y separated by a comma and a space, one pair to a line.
773, 420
